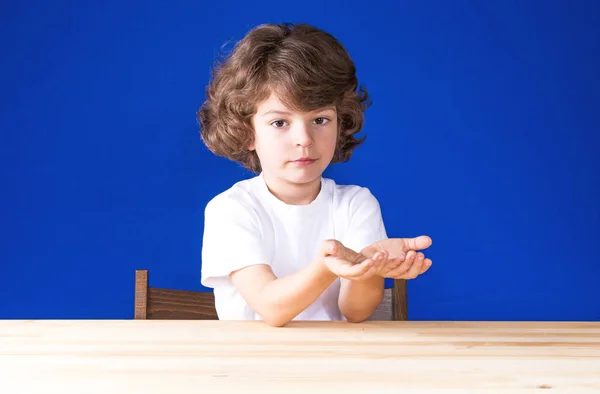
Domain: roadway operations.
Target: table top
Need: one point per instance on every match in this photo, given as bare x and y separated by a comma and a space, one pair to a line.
166, 356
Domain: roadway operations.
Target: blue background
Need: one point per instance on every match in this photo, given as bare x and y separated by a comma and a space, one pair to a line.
483, 134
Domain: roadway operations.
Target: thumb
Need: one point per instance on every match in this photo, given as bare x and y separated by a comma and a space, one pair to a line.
330, 247
418, 243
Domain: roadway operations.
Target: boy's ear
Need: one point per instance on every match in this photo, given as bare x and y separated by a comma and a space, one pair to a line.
252, 137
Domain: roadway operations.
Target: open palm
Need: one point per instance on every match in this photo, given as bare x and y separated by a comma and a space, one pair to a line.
402, 258
347, 263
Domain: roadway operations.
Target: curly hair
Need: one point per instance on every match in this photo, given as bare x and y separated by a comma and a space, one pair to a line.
304, 66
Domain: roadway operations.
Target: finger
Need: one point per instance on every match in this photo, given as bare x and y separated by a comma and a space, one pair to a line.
394, 263
330, 247
333, 263
380, 260
356, 270
413, 272
418, 243
369, 274
402, 269
378, 256
426, 264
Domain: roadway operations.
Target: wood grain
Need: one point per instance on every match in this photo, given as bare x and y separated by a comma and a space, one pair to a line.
180, 304
158, 303
399, 300
141, 294
160, 356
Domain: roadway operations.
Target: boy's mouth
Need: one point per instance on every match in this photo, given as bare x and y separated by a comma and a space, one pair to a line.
304, 161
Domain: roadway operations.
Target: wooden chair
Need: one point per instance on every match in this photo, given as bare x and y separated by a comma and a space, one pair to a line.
394, 305
160, 303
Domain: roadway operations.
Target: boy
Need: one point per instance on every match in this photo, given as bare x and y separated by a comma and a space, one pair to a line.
289, 244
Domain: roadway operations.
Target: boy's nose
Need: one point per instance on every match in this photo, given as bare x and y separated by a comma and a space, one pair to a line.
303, 136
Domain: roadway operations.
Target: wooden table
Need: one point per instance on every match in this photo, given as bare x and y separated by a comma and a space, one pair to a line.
153, 356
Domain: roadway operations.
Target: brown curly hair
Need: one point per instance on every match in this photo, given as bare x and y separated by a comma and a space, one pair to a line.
304, 66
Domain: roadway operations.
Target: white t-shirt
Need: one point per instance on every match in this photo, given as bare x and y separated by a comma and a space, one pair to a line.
247, 225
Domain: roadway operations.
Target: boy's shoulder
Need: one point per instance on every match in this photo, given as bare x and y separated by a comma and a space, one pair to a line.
350, 193
241, 194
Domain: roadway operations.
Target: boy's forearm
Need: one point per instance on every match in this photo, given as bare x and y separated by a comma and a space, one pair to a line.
360, 298
284, 298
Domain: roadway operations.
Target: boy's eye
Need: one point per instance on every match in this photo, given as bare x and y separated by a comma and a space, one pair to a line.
278, 123
321, 121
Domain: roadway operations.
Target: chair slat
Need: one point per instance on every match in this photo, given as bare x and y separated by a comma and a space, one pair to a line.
181, 305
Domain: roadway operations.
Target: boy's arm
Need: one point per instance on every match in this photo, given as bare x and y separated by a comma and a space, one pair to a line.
279, 300
360, 298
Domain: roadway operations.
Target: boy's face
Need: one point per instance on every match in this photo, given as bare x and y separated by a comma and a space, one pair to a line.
294, 147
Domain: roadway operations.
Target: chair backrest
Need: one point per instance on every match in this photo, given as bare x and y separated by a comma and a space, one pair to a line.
394, 304
160, 303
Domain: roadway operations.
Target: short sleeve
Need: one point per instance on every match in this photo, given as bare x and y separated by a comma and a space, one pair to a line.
232, 239
365, 222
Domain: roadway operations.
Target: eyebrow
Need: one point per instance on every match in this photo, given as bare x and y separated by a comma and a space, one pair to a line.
278, 112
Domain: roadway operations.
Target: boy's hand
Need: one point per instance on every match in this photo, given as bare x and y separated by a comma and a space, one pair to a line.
349, 264
401, 257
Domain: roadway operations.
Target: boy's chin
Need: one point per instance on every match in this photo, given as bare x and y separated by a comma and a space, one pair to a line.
303, 176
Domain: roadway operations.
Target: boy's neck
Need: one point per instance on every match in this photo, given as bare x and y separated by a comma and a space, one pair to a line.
293, 193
